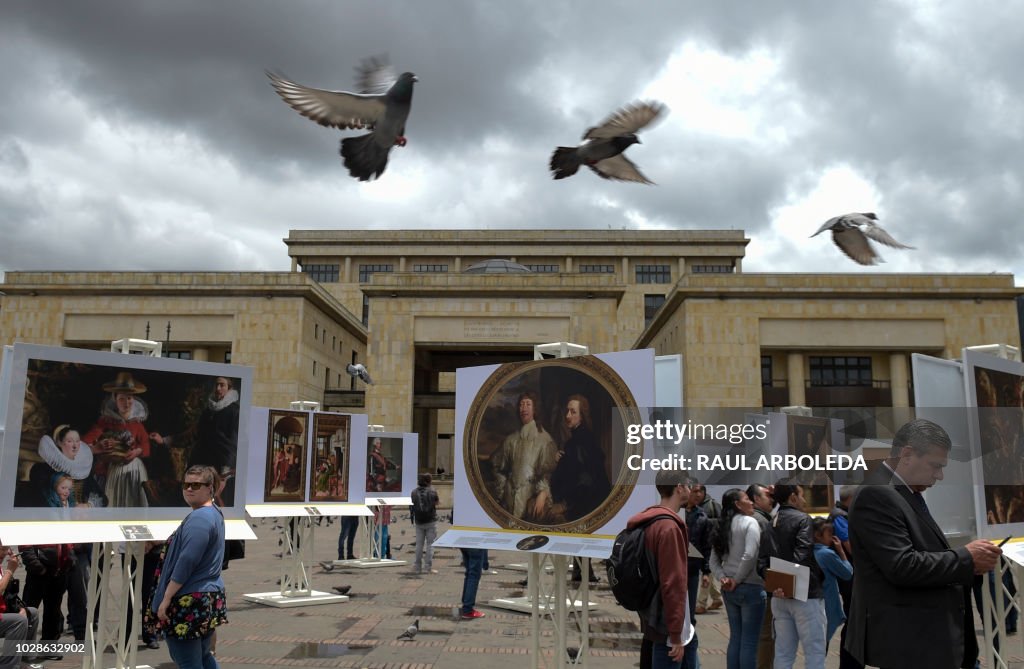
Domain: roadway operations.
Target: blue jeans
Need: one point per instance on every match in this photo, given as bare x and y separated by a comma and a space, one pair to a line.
385, 540
193, 653
654, 655
744, 607
474, 559
799, 622
347, 537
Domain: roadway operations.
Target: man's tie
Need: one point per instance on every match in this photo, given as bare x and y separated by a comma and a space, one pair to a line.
919, 498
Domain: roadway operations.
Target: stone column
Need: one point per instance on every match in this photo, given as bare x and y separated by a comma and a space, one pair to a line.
201, 354
898, 375
795, 374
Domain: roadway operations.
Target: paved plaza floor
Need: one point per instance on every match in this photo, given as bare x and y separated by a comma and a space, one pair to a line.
363, 631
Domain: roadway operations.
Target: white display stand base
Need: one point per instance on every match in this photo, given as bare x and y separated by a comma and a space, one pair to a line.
525, 605
276, 599
368, 563
295, 590
525, 568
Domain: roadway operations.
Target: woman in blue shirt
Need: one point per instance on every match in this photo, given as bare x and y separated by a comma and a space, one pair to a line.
831, 557
189, 596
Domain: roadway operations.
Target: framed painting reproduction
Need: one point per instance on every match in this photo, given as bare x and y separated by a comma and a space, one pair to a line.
93, 435
544, 444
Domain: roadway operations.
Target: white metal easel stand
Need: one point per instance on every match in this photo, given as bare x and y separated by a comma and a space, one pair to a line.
993, 622
370, 542
115, 597
548, 591
295, 590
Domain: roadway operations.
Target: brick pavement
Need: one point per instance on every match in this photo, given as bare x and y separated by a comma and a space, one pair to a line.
384, 601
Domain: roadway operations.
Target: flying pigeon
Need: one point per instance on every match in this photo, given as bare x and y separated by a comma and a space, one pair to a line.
852, 232
381, 105
410, 631
359, 371
341, 589
602, 152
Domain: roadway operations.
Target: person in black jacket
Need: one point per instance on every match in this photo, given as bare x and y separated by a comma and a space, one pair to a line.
47, 581
699, 529
797, 622
911, 591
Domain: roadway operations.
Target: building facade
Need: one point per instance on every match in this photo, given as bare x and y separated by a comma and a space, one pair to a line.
414, 306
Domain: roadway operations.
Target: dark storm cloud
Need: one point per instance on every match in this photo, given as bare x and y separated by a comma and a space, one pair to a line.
144, 117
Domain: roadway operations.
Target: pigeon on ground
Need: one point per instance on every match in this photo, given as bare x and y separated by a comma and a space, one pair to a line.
410, 631
572, 652
602, 152
327, 565
359, 371
852, 232
341, 589
381, 105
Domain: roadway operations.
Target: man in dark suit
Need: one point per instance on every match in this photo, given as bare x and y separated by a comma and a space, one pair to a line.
911, 606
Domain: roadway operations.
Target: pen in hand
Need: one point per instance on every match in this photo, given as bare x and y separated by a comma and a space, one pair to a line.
1003, 542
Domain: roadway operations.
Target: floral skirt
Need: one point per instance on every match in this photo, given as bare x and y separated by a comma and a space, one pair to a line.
193, 615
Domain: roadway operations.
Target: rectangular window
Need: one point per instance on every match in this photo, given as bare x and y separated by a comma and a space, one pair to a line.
597, 269
766, 370
652, 303
543, 269
322, 273
227, 357
841, 371
712, 269
179, 355
366, 309
430, 269
653, 274
365, 271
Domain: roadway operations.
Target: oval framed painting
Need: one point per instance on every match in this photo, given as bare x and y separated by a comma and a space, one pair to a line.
545, 444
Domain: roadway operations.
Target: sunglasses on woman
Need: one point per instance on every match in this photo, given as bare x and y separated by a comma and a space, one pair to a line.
192, 485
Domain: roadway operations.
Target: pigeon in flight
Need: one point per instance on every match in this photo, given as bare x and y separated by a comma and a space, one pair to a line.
410, 631
359, 371
602, 150
382, 105
852, 234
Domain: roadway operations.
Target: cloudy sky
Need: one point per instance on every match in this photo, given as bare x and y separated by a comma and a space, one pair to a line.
143, 135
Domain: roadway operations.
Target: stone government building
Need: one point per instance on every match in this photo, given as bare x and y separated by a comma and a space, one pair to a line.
414, 305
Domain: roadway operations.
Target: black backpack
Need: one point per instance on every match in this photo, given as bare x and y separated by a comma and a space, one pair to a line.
423, 510
632, 570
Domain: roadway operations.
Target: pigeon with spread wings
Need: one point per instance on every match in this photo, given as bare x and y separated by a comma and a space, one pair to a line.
603, 149
358, 371
382, 105
852, 234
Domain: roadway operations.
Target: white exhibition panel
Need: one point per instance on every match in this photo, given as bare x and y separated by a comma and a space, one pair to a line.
67, 389
29, 534
668, 380
260, 438
388, 501
940, 396
299, 510
1013, 484
554, 543
410, 452
635, 368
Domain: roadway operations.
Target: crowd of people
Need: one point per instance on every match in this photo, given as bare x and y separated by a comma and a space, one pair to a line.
883, 581
881, 572
182, 586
